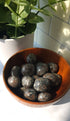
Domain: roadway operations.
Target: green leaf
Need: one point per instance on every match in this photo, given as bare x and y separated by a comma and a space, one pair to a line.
34, 8
24, 11
24, 8
21, 2
52, 1
63, 5
34, 2
29, 28
43, 11
13, 25
13, 6
33, 18
7, 2
5, 15
24, 30
17, 21
46, 12
2, 1
2, 30
52, 7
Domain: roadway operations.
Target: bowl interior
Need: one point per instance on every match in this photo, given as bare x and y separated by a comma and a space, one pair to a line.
43, 55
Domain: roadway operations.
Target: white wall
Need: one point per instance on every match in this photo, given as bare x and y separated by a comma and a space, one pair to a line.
54, 33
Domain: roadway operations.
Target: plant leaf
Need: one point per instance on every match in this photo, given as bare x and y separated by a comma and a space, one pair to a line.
13, 25
24, 11
2, 1
13, 6
5, 15
24, 8
63, 5
52, 1
34, 2
21, 2
29, 28
17, 21
33, 18
7, 2
52, 7
46, 12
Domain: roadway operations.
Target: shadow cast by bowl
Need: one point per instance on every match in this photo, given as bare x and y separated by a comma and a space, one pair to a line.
64, 99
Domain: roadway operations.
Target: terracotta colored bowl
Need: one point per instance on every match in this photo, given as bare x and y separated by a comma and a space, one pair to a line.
43, 55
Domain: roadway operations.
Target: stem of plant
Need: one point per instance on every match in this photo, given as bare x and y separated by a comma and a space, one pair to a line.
47, 5
38, 4
10, 9
15, 31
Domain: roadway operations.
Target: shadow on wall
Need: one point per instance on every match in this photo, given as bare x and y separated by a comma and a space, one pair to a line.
1, 67
58, 29
64, 99
64, 29
64, 15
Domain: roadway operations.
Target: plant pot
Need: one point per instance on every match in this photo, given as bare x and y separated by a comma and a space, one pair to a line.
8, 47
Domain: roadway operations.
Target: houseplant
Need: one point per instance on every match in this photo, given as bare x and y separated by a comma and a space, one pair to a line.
19, 18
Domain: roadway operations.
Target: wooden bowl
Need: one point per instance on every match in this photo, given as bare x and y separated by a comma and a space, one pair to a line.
46, 56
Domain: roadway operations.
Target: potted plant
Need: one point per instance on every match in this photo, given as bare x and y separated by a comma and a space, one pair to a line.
18, 19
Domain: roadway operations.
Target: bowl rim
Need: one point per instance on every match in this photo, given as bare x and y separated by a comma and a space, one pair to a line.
22, 100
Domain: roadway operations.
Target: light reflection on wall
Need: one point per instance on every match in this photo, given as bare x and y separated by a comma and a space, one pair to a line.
66, 31
58, 8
